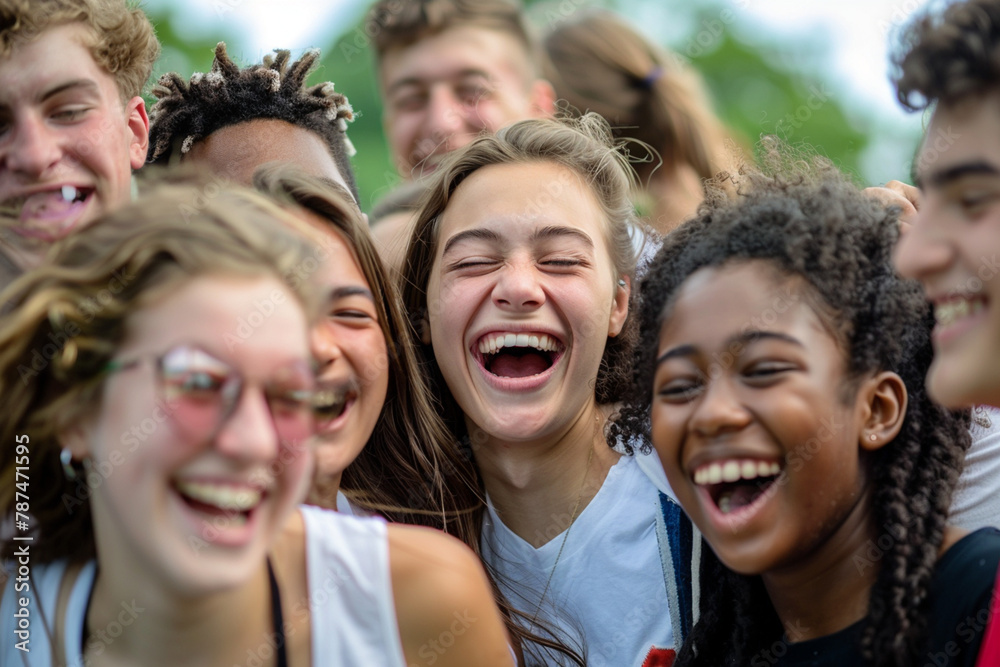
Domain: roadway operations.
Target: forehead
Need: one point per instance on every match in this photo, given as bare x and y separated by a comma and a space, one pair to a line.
454, 53
58, 56
237, 150
515, 200
715, 304
341, 265
210, 310
962, 133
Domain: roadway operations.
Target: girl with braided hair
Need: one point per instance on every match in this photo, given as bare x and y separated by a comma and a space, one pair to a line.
235, 119
780, 378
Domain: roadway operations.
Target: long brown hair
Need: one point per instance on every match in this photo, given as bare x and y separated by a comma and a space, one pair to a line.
646, 93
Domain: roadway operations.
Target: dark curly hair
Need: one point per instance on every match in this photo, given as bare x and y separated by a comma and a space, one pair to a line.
950, 57
815, 227
188, 111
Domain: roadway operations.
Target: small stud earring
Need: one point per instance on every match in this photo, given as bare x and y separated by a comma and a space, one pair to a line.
873, 437
66, 459
621, 282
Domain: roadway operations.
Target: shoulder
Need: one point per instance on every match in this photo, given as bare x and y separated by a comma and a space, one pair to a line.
960, 593
428, 566
443, 600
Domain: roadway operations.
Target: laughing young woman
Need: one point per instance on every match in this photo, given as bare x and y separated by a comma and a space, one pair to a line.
165, 444
518, 281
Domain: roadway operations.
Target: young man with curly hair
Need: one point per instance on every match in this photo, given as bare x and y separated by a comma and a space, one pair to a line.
72, 123
951, 63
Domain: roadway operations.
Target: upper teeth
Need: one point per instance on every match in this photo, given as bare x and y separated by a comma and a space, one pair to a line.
948, 312
492, 343
69, 193
223, 496
731, 471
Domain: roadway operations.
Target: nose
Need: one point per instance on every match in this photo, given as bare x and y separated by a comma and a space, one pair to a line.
32, 149
924, 249
324, 345
249, 432
445, 117
518, 288
719, 409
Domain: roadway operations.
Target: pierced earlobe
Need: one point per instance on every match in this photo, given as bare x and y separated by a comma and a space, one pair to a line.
872, 437
621, 282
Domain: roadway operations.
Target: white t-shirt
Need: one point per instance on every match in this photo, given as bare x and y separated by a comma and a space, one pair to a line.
976, 503
608, 592
353, 614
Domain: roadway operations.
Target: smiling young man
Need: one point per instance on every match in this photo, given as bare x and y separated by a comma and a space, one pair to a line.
72, 123
449, 70
949, 64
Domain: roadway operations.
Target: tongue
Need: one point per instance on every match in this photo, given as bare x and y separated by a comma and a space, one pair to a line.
46, 205
743, 495
520, 364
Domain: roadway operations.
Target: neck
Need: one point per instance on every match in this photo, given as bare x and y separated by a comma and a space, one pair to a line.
137, 622
828, 590
676, 196
323, 493
538, 488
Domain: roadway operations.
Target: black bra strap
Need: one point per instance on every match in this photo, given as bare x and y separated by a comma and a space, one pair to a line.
277, 620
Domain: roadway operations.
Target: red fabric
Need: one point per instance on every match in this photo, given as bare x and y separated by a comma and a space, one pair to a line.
989, 652
659, 657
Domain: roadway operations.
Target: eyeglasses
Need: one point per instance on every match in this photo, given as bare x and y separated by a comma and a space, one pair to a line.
201, 392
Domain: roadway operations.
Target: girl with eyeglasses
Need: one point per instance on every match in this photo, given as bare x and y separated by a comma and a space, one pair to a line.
159, 409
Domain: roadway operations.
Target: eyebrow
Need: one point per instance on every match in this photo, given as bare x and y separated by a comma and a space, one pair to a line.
553, 231
417, 81
87, 85
350, 290
744, 338
954, 173
474, 234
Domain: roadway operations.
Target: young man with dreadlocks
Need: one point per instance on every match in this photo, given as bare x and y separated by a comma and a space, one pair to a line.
72, 123
235, 119
949, 63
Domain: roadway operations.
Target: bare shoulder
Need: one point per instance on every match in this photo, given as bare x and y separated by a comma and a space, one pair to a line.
444, 604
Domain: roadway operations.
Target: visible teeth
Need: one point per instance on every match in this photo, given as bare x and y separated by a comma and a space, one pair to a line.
222, 496
734, 470
69, 193
951, 311
494, 343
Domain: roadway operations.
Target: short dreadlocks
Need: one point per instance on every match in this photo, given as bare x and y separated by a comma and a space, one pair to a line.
188, 111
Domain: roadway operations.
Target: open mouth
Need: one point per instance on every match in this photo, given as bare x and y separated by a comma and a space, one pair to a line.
958, 308
332, 401
736, 483
50, 214
215, 501
518, 355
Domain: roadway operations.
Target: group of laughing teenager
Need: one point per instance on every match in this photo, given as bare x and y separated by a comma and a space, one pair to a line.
551, 406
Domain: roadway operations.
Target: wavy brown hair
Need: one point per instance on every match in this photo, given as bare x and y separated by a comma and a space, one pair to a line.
949, 56
71, 315
122, 38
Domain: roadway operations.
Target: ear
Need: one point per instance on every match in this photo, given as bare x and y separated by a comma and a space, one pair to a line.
883, 399
543, 99
138, 127
74, 438
619, 307
425, 330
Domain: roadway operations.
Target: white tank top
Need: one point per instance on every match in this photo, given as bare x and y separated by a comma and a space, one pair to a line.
353, 614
